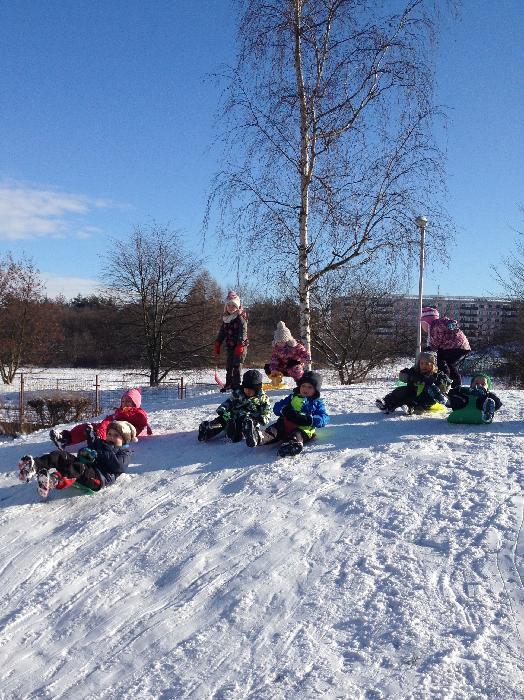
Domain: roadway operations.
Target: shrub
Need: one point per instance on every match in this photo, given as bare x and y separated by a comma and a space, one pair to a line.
52, 410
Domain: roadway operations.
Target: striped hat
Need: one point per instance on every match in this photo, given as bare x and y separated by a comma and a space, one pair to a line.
429, 314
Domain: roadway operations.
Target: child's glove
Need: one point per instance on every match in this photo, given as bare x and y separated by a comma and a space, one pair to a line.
223, 413
435, 394
86, 455
216, 347
296, 417
239, 349
91, 435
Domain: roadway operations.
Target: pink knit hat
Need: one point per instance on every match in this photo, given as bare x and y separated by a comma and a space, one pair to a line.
135, 395
429, 314
232, 298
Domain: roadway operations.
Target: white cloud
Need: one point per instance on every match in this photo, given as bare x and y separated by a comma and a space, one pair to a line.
69, 286
29, 212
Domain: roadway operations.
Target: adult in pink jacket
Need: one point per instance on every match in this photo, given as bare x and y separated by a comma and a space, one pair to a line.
450, 343
288, 356
129, 410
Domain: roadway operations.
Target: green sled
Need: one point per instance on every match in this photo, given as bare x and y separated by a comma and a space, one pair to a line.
470, 414
84, 489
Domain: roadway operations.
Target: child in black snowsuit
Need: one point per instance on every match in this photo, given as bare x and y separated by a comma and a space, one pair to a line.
233, 332
425, 386
95, 466
248, 403
485, 400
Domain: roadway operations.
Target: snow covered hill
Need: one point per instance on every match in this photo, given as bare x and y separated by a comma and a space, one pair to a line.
386, 561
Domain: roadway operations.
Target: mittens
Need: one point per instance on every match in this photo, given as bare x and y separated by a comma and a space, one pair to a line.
239, 349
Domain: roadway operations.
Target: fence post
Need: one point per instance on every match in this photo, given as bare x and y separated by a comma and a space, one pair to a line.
97, 395
181, 388
21, 401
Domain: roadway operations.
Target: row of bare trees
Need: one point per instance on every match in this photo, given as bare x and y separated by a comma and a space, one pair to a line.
160, 311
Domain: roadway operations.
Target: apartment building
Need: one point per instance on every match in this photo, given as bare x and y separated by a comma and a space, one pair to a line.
481, 318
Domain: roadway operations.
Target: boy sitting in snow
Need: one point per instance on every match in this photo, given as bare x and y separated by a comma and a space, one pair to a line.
477, 396
425, 386
299, 414
249, 402
95, 466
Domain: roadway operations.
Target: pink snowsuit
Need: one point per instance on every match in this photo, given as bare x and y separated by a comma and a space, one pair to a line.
444, 334
289, 360
132, 414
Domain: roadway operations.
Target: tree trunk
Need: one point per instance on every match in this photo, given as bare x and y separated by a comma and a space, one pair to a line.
305, 179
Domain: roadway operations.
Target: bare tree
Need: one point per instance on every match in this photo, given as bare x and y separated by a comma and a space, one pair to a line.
150, 275
24, 333
353, 329
328, 151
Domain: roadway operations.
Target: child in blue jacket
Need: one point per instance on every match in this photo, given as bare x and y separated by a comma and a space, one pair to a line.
299, 414
95, 466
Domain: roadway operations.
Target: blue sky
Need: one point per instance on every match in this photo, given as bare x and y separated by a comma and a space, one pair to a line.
107, 111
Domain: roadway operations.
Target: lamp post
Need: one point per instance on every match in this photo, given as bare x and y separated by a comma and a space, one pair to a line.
421, 222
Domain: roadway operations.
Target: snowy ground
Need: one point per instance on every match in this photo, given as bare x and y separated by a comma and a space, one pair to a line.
385, 562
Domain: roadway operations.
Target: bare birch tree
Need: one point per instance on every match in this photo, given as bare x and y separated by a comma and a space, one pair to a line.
328, 151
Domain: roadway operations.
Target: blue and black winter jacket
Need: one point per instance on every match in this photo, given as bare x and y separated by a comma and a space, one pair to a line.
110, 461
313, 407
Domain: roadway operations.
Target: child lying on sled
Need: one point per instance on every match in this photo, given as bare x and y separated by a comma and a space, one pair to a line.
299, 414
425, 386
130, 411
95, 466
475, 403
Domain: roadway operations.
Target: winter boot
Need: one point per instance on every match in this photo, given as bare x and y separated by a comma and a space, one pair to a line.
47, 480
59, 437
290, 448
383, 406
251, 433
27, 469
203, 430
488, 410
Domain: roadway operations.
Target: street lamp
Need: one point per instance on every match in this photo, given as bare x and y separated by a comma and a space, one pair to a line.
421, 222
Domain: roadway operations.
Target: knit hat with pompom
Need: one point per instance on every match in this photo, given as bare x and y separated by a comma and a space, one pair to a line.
283, 334
429, 314
232, 298
126, 431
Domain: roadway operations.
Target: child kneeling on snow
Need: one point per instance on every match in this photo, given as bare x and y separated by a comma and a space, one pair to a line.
479, 395
129, 410
299, 414
95, 466
248, 403
425, 386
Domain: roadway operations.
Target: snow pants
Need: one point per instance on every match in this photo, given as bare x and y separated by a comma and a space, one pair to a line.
234, 368
283, 429
66, 463
447, 361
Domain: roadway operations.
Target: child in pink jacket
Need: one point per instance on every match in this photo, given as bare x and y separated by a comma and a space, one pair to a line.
129, 411
447, 339
288, 357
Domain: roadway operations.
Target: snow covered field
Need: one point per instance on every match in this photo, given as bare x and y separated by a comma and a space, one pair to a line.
386, 561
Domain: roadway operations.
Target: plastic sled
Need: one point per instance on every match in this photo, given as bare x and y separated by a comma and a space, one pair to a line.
84, 489
277, 382
470, 414
269, 386
435, 408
